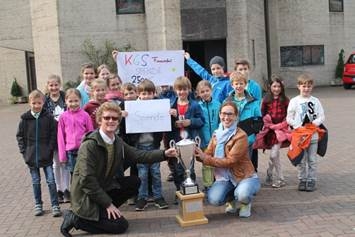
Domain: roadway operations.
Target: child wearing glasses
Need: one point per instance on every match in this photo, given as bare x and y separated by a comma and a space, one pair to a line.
72, 126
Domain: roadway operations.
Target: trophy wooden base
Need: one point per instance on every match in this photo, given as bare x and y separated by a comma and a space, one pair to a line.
191, 209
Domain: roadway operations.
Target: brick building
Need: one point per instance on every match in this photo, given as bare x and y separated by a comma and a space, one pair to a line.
38, 38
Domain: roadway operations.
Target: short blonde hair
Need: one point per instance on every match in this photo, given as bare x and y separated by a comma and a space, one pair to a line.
237, 76
98, 82
305, 78
108, 106
203, 83
54, 77
35, 94
182, 83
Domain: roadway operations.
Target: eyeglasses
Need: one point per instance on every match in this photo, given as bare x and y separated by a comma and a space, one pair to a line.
107, 118
227, 114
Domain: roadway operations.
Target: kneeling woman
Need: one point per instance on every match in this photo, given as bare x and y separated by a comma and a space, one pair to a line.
234, 173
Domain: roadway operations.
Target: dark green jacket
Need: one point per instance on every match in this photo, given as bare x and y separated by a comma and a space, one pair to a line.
90, 184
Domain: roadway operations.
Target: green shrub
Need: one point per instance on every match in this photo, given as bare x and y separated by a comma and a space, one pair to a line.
16, 90
340, 65
102, 55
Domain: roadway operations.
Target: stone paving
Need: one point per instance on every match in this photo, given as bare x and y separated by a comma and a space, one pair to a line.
329, 211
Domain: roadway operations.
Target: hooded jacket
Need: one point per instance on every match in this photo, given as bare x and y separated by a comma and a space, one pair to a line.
90, 183
221, 86
36, 138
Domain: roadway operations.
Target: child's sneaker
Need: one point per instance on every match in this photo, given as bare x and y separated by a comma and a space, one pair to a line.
245, 210
302, 186
60, 196
141, 204
311, 186
161, 203
170, 177
268, 180
66, 196
231, 207
279, 183
132, 201
38, 210
56, 211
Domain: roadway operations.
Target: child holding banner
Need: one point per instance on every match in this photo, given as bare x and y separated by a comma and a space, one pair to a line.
187, 119
221, 86
149, 141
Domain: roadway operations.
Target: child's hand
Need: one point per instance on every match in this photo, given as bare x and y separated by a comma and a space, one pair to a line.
124, 113
187, 55
186, 122
173, 112
179, 124
114, 54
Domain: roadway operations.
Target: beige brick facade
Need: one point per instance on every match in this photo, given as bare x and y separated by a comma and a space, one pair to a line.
56, 29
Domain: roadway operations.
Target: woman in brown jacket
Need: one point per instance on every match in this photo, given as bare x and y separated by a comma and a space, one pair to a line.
234, 172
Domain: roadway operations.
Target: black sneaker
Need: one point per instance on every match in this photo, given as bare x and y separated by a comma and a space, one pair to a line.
66, 196
60, 196
170, 177
161, 203
302, 186
311, 186
69, 223
141, 204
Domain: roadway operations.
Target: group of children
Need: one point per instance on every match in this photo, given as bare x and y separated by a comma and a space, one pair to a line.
49, 134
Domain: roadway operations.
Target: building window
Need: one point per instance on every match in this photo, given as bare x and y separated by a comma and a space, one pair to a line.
336, 6
293, 56
129, 6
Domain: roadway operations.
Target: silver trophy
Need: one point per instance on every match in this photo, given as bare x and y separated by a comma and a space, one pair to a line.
186, 151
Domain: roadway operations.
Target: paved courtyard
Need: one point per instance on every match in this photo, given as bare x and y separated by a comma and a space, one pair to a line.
329, 211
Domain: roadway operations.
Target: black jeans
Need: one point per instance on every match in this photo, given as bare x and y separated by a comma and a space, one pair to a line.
129, 188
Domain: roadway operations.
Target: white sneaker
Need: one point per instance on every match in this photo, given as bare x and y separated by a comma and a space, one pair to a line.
245, 210
231, 207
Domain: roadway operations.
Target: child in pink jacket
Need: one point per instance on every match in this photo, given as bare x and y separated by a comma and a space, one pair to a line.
72, 126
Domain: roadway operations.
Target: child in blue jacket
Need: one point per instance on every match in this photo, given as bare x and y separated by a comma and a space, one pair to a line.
221, 86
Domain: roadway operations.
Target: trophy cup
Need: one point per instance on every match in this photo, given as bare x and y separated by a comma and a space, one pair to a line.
186, 150
191, 199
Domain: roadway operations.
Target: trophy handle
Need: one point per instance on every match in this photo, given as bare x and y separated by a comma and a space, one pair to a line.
172, 144
198, 141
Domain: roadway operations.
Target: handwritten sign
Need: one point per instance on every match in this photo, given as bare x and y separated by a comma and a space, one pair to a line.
161, 67
148, 116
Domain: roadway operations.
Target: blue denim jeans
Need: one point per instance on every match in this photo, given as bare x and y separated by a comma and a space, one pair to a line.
220, 191
72, 155
143, 171
36, 182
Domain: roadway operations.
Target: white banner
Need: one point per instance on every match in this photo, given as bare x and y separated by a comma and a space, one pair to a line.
148, 116
161, 67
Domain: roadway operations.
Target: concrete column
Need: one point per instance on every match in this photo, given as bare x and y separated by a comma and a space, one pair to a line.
163, 24
45, 32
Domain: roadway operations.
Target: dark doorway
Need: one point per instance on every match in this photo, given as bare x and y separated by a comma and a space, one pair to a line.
202, 52
31, 71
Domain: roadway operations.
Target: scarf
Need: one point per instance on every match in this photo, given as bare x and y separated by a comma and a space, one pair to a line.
222, 136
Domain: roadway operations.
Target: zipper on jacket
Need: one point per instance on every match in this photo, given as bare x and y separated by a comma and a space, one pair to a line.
37, 166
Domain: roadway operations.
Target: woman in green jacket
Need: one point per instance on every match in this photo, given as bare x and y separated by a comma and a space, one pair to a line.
98, 184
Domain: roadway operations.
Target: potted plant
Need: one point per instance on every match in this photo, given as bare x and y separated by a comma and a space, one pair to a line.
339, 69
16, 93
